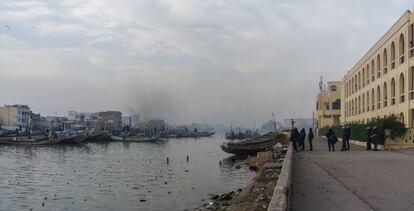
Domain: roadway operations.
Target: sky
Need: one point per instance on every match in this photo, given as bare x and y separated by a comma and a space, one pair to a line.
207, 61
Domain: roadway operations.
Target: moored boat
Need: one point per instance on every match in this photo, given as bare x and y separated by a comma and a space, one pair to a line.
252, 146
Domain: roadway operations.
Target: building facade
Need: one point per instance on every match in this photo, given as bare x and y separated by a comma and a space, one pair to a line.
381, 82
328, 105
15, 116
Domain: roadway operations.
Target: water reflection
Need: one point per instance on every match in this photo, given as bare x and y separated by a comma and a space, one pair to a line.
117, 175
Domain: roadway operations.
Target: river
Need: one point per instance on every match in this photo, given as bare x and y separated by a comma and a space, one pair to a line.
117, 176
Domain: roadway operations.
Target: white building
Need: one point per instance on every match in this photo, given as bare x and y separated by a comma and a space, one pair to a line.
15, 116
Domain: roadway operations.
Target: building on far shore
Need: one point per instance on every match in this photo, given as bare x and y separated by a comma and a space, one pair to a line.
15, 116
381, 82
111, 120
328, 105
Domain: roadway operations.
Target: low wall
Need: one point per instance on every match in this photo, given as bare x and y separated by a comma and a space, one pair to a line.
281, 194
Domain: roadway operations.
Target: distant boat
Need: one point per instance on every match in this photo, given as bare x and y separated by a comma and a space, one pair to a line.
255, 145
195, 134
134, 138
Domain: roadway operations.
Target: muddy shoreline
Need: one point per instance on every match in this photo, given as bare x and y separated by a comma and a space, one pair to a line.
256, 195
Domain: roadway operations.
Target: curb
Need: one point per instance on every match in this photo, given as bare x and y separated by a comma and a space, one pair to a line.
281, 194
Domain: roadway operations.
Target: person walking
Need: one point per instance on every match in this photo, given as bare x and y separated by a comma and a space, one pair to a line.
302, 138
294, 136
332, 139
346, 131
375, 137
310, 138
369, 140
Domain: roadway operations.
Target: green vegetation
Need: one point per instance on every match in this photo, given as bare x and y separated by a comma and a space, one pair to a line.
359, 130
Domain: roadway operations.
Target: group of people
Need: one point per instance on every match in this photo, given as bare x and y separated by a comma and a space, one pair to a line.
298, 139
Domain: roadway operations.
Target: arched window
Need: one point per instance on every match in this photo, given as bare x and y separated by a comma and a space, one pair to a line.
359, 80
378, 66
333, 88
372, 70
378, 97
363, 103
367, 76
359, 104
385, 93
392, 55
401, 48
392, 91
402, 99
363, 77
368, 101
336, 105
373, 99
385, 61
352, 85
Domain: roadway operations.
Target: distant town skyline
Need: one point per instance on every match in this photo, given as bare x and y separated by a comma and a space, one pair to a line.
232, 62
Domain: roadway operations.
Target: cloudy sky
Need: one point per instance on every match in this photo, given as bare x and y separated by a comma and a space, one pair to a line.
209, 61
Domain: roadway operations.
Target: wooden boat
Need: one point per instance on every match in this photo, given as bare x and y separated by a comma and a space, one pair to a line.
75, 139
252, 146
97, 137
134, 138
30, 140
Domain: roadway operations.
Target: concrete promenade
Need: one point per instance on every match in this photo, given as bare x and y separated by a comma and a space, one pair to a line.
352, 180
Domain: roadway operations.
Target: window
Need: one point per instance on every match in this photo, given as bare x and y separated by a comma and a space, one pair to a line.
333, 88
402, 88
392, 91
392, 55
336, 105
401, 48
385, 60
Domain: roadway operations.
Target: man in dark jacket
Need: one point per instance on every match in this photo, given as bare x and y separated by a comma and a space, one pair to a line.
302, 138
332, 139
375, 137
369, 140
310, 138
346, 131
294, 137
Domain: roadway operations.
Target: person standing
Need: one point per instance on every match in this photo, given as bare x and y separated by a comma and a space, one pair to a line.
332, 139
346, 131
302, 138
369, 140
310, 138
294, 136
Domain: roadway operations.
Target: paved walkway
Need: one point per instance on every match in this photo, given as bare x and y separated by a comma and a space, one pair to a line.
352, 180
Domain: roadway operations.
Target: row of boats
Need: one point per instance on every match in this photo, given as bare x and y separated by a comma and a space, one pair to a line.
67, 138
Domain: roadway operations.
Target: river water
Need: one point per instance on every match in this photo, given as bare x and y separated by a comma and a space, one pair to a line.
117, 176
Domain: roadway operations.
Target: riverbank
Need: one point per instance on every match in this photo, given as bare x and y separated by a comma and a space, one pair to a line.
256, 195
